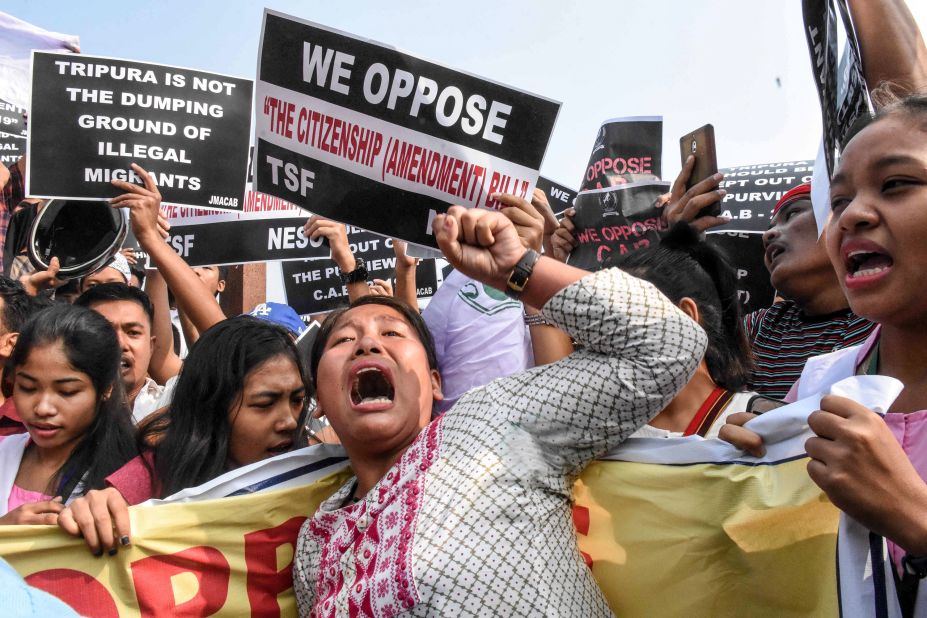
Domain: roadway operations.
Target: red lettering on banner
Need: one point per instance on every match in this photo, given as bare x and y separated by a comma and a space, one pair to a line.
620, 165
81, 591
152, 578
265, 582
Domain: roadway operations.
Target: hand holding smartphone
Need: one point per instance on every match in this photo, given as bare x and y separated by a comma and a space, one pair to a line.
701, 144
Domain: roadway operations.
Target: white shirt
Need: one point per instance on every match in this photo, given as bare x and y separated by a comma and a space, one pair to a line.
146, 401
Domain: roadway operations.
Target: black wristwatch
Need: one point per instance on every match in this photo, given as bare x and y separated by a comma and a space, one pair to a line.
522, 272
357, 275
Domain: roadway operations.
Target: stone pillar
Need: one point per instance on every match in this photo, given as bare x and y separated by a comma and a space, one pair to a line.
245, 287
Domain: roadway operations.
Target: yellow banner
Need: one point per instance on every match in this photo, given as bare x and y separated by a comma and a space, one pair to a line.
663, 540
708, 539
231, 556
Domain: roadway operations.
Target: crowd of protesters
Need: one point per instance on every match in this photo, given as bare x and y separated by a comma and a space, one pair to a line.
471, 417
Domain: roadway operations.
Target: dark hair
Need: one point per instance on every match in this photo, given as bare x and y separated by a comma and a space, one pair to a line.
890, 104
191, 440
91, 347
17, 305
139, 274
683, 266
111, 292
409, 314
223, 272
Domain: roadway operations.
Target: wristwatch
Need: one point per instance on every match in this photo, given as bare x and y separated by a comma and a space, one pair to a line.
522, 272
357, 275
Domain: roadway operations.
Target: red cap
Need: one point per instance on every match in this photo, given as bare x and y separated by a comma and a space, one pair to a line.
800, 192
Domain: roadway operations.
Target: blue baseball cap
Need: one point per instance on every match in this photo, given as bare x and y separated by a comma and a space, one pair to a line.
280, 314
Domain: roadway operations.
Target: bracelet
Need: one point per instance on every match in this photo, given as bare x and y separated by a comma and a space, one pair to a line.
536, 319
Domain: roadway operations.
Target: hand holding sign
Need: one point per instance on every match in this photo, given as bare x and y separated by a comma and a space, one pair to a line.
686, 205
481, 244
381, 287
563, 240
43, 513
859, 464
101, 517
337, 236
144, 204
403, 261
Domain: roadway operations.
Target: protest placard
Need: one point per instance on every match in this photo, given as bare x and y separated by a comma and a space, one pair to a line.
208, 550
12, 119
625, 150
616, 220
842, 89
745, 252
364, 134
12, 147
559, 196
314, 286
266, 229
92, 117
753, 190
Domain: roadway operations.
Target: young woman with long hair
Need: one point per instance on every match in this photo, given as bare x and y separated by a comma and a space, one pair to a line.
239, 399
68, 392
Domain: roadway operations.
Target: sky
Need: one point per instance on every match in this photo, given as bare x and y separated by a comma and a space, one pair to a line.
741, 65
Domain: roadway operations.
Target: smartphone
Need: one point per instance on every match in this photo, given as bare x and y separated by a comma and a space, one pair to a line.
701, 144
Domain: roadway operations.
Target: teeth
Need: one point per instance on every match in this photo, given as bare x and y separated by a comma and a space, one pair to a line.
367, 370
866, 272
855, 253
376, 400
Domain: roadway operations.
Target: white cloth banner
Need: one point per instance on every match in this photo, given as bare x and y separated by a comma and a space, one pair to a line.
301, 467
17, 40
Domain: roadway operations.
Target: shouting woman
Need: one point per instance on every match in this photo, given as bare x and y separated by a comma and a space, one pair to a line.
470, 512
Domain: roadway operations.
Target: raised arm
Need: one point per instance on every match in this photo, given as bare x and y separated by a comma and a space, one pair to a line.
535, 229
405, 274
639, 349
891, 44
337, 236
144, 203
165, 363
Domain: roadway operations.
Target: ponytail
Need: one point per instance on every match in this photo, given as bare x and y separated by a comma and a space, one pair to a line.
683, 266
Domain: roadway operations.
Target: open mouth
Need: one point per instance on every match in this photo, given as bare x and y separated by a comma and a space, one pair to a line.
125, 364
862, 263
371, 386
773, 251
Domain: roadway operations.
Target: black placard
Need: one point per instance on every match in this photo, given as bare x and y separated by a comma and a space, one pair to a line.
745, 253
12, 119
753, 190
560, 197
842, 89
314, 286
12, 147
625, 150
190, 129
361, 133
616, 220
